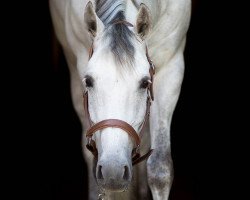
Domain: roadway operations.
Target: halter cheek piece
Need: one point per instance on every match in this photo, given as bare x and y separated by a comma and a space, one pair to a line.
116, 123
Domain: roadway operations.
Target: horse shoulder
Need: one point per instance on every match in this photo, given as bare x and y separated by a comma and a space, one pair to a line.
169, 32
68, 20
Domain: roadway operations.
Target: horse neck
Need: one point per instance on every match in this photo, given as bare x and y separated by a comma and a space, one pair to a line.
166, 21
157, 7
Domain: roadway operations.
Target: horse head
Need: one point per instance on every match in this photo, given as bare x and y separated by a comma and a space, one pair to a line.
117, 82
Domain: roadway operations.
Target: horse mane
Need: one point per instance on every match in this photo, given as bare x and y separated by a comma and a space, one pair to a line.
119, 35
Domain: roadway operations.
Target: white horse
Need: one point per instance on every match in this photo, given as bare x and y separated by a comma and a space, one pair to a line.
105, 43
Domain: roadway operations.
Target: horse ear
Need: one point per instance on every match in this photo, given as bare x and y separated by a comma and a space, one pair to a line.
143, 22
92, 22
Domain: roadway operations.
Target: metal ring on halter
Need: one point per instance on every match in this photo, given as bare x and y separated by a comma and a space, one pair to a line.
89, 140
137, 149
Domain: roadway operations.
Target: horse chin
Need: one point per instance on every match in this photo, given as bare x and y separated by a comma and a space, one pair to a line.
115, 187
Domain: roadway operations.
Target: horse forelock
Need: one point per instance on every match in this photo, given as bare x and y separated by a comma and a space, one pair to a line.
120, 37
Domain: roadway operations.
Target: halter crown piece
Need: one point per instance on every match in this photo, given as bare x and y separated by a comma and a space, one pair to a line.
116, 123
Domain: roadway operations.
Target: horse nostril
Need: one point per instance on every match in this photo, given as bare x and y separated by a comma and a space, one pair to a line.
126, 173
99, 172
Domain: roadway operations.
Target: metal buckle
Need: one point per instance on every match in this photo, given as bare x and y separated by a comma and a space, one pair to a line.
89, 139
137, 149
149, 93
152, 65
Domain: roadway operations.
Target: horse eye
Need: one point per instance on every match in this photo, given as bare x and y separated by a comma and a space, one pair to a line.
89, 81
144, 83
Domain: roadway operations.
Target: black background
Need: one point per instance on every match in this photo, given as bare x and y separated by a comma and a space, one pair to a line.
47, 130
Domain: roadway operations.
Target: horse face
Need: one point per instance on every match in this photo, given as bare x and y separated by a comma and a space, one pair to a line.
116, 93
117, 89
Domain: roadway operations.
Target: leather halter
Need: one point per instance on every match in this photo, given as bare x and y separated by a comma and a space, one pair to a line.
116, 123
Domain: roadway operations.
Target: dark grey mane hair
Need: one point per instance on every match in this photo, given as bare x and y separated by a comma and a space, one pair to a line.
119, 35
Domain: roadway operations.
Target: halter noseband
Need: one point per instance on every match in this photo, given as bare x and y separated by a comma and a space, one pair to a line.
116, 123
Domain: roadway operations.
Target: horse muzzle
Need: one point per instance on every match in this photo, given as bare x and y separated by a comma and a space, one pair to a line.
113, 175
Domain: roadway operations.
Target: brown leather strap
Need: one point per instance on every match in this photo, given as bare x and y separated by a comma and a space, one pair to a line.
91, 50
146, 117
92, 147
141, 158
115, 123
152, 73
86, 108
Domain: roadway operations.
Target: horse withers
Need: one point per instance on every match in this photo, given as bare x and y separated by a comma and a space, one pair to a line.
109, 45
